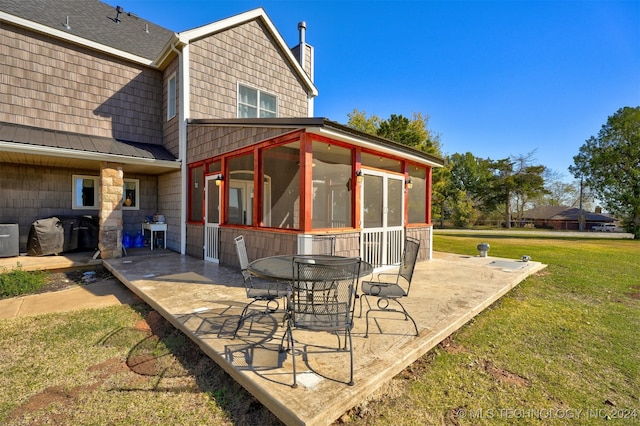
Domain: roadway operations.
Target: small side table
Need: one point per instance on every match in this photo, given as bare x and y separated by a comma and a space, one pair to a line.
156, 227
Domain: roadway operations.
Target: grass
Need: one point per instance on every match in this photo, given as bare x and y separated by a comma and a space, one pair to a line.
16, 282
100, 367
563, 343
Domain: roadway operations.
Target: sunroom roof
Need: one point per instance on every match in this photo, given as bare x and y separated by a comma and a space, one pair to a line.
331, 129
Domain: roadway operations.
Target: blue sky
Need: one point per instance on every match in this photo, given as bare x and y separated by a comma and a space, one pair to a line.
497, 78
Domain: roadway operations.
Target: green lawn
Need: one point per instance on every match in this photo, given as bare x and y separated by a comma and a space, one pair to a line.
562, 345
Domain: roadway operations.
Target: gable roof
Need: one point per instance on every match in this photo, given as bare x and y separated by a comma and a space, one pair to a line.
563, 213
75, 147
92, 24
330, 129
259, 14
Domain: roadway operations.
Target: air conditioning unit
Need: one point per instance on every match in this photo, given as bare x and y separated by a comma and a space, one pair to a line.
9, 240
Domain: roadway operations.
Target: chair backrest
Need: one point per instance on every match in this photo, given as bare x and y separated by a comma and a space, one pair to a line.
409, 258
323, 244
323, 292
241, 249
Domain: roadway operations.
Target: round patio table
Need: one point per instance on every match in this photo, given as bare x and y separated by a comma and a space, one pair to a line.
281, 267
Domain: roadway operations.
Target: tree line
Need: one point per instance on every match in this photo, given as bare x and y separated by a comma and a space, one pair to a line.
471, 190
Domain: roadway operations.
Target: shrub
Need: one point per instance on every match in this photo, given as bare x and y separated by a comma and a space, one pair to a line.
17, 281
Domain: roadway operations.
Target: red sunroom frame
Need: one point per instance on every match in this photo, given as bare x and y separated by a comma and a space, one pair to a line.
306, 176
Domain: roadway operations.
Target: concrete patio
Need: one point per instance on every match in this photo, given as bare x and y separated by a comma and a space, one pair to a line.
204, 300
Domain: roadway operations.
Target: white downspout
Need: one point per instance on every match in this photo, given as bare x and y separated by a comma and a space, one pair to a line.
183, 113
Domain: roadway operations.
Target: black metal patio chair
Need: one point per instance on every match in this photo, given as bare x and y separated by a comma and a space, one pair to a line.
322, 297
392, 287
258, 289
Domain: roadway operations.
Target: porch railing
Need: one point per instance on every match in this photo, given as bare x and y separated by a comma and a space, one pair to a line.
212, 242
382, 247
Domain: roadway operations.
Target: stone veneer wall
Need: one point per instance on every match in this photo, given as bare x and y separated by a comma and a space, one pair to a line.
110, 205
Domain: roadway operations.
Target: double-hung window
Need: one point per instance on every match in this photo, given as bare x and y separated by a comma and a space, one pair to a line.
254, 103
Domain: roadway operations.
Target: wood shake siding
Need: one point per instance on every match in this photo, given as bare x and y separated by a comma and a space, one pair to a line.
169, 200
244, 54
33, 192
53, 84
206, 141
170, 127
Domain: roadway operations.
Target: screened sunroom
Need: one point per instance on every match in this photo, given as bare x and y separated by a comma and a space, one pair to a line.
279, 182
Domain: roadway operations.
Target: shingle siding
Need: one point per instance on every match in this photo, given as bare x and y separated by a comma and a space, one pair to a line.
52, 84
170, 127
169, 201
206, 141
30, 193
245, 54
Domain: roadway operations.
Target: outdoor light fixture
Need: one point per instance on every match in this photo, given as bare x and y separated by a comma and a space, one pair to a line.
219, 178
409, 184
359, 176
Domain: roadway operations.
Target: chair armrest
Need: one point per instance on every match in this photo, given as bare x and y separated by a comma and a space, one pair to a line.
394, 277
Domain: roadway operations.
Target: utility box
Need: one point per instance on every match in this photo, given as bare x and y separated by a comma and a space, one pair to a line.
9, 240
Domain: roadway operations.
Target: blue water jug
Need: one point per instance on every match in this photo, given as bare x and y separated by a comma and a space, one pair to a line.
126, 240
138, 241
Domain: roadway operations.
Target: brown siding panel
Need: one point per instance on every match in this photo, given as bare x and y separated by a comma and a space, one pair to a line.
53, 84
171, 127
30, 193
210, 141
245, 54
169, 198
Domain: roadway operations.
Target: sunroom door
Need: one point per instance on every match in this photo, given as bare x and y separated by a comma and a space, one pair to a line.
241, 199
212, 220
382, 212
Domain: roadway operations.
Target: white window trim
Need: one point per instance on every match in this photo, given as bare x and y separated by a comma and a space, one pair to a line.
96, 182
171, 98
136, 203
258, 91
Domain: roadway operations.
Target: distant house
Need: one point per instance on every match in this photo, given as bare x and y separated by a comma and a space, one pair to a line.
105, 114
564, 218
